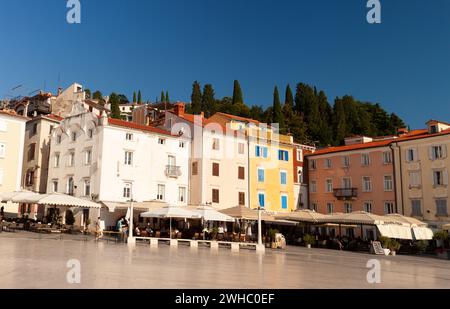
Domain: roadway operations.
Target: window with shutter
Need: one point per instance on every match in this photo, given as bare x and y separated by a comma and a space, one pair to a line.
441, 207
416, 208
241, 198
215, 195
241, 172
194, 168
215, 169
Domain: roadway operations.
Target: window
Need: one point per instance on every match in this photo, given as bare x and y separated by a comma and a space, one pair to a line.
416, 208
241, 198
327, 163
388, 183
172, 161
283, 177
441, 207
262, 199
181, 145
367, 184
299, 155
313, 164
330, 208
345, 161
215, 195
283, 155
71, 162
2, 150
194, 168
329, 185
87, 187
55, 185
365, 159
182, 194
29, 178
348, 208
73, 136
440, 178
129, 136
314, 206
389, 208
90, 133
387, 157
313, 186
31, 152
51, 129
34, 130
88, 158
284, 202
70, 186
433, 129
367, 206
411, 155
161, 141
261, 175
58, 139
57, 160
347, 183
241, 148
261, 152
161, 194
300, 174
241, 172
128, 158
437, 152
215, 169
216, 144
415, 180
127, 190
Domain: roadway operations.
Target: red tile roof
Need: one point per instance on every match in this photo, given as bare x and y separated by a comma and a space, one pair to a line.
238, 118
413, 135
131, 125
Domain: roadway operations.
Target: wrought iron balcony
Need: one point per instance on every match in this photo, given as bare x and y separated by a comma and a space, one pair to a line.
346, 193
173, 171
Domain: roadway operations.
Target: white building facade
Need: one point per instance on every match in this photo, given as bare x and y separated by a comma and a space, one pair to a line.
112, 161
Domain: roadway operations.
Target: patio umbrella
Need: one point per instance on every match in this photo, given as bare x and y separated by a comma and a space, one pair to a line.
59, 199
245, 213
23, 196
171, 212
210, 214
304, 215
358, 217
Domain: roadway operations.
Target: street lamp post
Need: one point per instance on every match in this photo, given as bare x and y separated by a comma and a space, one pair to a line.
131, 240
260, 247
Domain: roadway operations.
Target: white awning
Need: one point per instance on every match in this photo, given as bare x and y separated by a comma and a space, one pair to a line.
210, 214
395, 231
422, 233
144, 206
58, 199
171, 212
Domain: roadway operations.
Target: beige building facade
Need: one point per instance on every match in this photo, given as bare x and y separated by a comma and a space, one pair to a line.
422, 171
12, 136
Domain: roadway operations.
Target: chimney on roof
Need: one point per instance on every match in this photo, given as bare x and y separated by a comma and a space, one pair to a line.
59, 91
179, 109
402, 131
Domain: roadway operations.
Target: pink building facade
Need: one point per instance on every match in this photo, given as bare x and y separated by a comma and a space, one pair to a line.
355, 177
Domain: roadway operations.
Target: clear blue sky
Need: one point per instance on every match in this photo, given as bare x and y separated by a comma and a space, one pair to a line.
151, 45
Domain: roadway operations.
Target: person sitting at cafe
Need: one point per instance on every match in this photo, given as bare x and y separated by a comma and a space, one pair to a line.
148, 229
137, 231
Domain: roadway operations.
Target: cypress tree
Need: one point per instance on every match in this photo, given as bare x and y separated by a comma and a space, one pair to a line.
340, 122
288, 104
114, 102
167, 97
208, 100
237, 93
163, 97
134, 97
196, 98
139, 100
277, 114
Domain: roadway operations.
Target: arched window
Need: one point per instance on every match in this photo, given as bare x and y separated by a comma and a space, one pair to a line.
70, 186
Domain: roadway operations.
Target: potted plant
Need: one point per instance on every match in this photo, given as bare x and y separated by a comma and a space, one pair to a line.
440, 237
385, 243
422, 245
214, 232
309, 240
70, 219
272, 234
394, 246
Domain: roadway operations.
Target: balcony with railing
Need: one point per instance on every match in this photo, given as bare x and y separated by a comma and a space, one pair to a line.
173, 171
346, 193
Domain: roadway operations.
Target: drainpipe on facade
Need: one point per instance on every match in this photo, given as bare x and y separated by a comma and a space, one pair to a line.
392, 146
